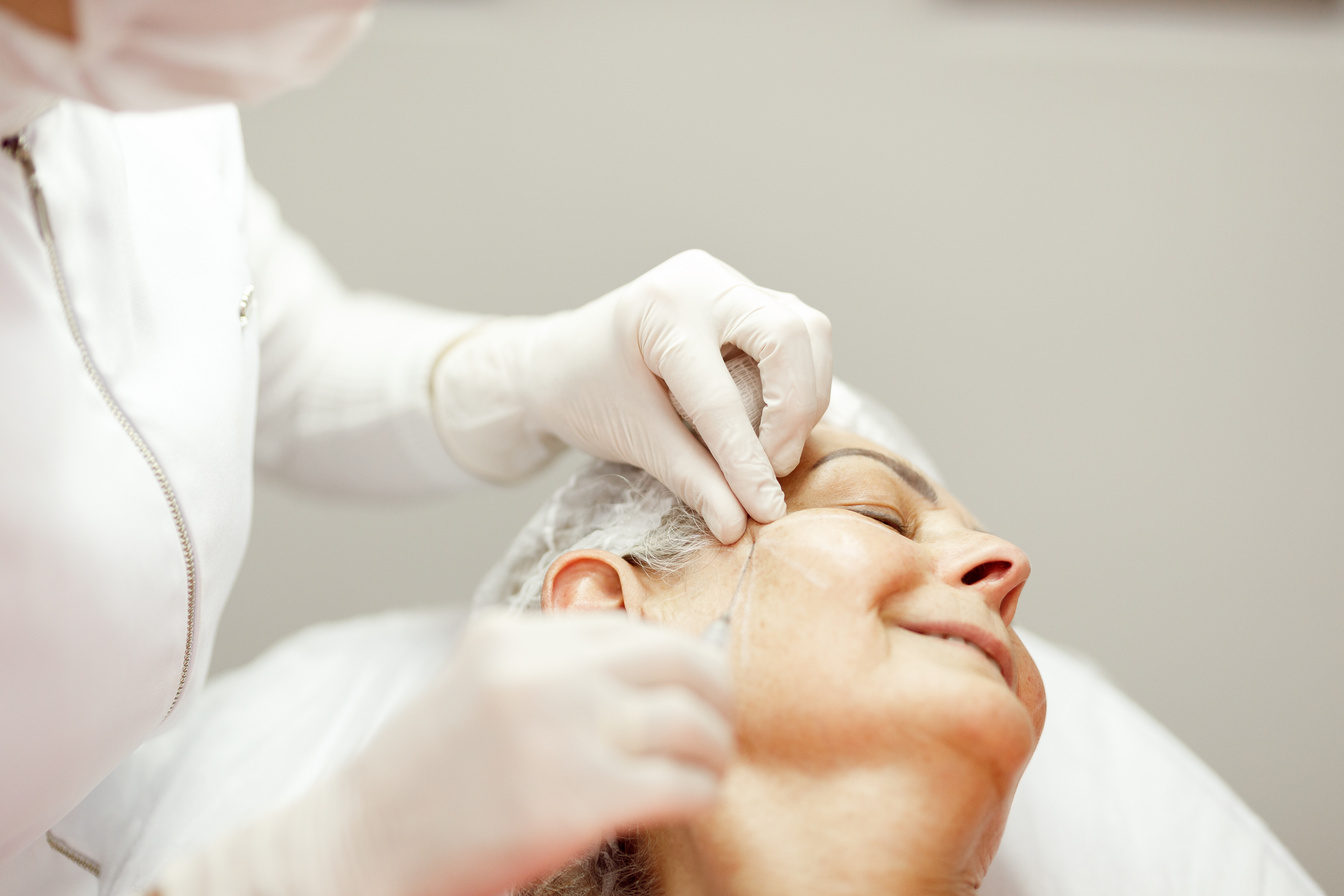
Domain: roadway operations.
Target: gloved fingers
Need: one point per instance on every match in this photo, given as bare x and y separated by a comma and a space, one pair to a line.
652, 658
780, 337
696, 375
658, 791
724, 266
671, 722
674, 457
688, 279
819, 333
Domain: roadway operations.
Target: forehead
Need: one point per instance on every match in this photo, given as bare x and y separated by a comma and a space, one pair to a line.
826, 440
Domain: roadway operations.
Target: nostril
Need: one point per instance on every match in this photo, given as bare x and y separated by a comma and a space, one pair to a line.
989, 570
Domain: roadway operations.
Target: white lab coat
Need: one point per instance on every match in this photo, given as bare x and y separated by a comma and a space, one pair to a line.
161, 234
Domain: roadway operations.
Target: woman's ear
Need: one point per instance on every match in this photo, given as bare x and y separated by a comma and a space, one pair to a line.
591, 580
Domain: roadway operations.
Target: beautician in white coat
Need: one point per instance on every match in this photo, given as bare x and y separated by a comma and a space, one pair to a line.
161, 331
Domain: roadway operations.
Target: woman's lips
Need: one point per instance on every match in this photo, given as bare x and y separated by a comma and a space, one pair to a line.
994, 649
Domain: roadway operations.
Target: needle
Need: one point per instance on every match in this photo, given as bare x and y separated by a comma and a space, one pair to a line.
719, 630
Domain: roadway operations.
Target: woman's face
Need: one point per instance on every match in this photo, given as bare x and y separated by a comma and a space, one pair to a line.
870, 647
872, 624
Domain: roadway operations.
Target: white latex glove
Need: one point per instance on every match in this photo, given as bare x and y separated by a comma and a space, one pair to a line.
598, 378
541, 736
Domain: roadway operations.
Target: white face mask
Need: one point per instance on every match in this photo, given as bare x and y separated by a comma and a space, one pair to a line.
162, 54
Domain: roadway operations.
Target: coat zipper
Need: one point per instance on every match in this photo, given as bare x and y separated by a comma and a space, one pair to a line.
17, 148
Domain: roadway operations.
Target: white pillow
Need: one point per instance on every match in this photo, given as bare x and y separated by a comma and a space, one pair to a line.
1112, 803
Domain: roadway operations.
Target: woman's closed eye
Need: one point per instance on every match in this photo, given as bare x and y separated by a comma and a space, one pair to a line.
884, 515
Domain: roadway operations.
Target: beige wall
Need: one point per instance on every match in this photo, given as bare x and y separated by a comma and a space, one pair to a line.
1096, 261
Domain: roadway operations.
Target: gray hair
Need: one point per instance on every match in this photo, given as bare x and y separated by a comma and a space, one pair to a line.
621, 866
604, 506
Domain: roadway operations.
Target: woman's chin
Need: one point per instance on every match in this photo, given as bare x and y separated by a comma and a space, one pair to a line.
963, 701
977, 719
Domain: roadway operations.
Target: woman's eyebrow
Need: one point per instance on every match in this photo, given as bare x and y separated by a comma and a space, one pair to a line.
905, 471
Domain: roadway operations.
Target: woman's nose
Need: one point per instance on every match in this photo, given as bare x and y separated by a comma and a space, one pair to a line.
994, 569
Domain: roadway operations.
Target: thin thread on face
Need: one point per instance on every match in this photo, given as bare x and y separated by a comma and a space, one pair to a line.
745, 584
719, 631
741, 577
791, 559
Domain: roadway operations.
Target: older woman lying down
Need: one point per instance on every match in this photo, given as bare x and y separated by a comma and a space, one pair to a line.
886, 709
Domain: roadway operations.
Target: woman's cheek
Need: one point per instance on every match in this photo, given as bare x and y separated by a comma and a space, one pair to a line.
809, 642
837, 557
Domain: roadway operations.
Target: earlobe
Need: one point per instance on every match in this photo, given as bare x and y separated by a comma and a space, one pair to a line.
591, 580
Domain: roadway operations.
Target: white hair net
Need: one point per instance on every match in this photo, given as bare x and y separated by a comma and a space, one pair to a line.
614, 507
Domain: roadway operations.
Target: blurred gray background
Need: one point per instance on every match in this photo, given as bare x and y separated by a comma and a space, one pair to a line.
1092, 253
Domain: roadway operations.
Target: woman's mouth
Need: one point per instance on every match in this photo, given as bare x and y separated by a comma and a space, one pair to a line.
956, 640
972, 638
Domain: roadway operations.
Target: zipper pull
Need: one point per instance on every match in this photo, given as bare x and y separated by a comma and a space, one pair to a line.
17, 149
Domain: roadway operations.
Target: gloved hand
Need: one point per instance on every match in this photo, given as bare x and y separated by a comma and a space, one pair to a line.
506, 396
541, 736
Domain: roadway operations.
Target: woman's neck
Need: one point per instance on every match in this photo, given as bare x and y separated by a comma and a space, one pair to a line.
885, 830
